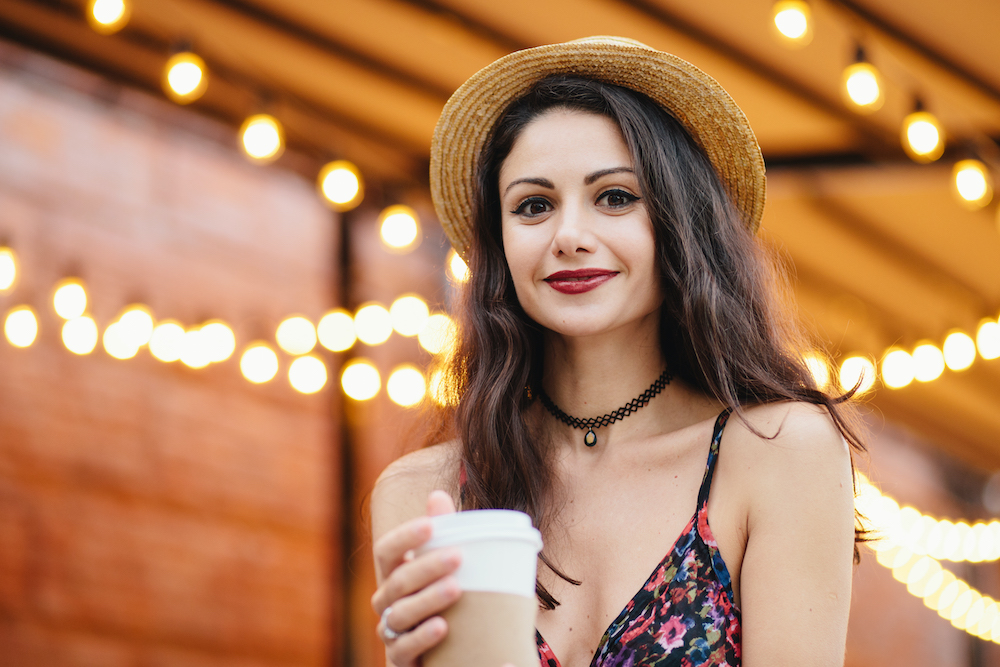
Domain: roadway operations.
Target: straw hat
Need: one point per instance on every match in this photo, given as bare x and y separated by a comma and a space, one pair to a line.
695, 99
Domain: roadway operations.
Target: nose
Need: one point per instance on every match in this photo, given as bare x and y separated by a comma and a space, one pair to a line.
573, 234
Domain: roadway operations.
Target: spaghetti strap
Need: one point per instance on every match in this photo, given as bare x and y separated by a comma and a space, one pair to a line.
713, 457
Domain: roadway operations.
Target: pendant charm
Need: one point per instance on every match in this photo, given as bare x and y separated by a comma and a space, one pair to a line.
590, 439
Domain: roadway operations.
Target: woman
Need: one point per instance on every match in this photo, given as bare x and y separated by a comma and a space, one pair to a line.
619, 311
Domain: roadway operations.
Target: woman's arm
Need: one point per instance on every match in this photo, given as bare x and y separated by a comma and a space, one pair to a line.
417, 588
797, 568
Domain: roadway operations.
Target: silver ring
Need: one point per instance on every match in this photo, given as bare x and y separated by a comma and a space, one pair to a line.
388, 633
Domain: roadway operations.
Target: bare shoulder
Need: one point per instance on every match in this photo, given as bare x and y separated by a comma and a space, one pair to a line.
401, 491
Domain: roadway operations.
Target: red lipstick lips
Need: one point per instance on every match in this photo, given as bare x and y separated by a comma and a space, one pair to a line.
580, 280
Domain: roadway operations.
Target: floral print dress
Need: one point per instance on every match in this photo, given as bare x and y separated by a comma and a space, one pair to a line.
684, 615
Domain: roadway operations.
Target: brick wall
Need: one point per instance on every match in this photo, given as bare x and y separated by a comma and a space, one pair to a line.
151, 514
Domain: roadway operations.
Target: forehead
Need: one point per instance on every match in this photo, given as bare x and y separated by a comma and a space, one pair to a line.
565, 141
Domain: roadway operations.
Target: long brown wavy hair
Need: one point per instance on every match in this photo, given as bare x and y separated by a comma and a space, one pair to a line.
724, 323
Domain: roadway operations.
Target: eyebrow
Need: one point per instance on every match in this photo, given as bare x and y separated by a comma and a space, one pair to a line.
588, 180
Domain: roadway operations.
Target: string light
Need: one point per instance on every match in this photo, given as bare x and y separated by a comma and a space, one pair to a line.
922, 137
219, 340
373, 324
972, 183
70, 298
360, 380
793, 21
399, 228
897, 369
959, 351
117, 342
928, 362
819, 368
307, 374
136, 325
21, 326
80, 334
857, 370
457, 267
988, 339
259, 363
296, 335
108, 16
167, 341
194, 350
438, 337
341, 185
8, 268
262, 137
863, 84
409, 315
406, 386
336, 330
185, 77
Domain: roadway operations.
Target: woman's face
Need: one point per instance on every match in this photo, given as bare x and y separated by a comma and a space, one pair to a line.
576, 233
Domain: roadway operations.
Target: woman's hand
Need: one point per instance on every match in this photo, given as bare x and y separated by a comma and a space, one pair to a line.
413, 589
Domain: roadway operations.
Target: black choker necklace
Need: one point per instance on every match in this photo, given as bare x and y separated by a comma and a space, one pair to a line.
597, 422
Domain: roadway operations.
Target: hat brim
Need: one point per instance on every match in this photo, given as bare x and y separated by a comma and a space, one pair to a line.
696, 100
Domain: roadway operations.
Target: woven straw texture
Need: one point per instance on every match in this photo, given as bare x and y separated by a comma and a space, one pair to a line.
695, 99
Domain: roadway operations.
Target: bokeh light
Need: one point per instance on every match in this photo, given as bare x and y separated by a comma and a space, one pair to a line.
307, 374
897, 369
440, 389
988, 339
923, 137
117, 342
360, 380
972, 183
70, 298
8, 268
336, 330
108, 16
399, 228
959, 350
792, 19
457, 267
136, 325
438, 337
259, 363
296, 335
262, 137
185, 77
219, 340
406, 386
373, 324
409, 315
819, 368
863, 87
341, 184
167, 341
928, 362
195, 351
80, 334
854, 369
21, 326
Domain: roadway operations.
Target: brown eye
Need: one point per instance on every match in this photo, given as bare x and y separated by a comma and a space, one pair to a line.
536, 208
617, 198
532, 207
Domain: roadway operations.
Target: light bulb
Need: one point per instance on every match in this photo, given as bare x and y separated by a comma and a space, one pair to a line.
117, 342
262, 137
988, 339
341, 185
360, 380
185, 77
219, 340
792, 19
167, 341
406, 386
108, 16
972, 183
336, 330
863, 87
440, 389
928, 362
959, 351
21, 326
399, 228
136, 325
296, 335
923, 137
195, 350
897, 369
259, 363
438, 337
409, 315
373, 324
8, 268
70, 298
307, 374
80, 335
855, 369
457, 267
818, 368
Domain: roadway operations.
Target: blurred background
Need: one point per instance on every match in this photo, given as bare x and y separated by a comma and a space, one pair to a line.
222, 288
